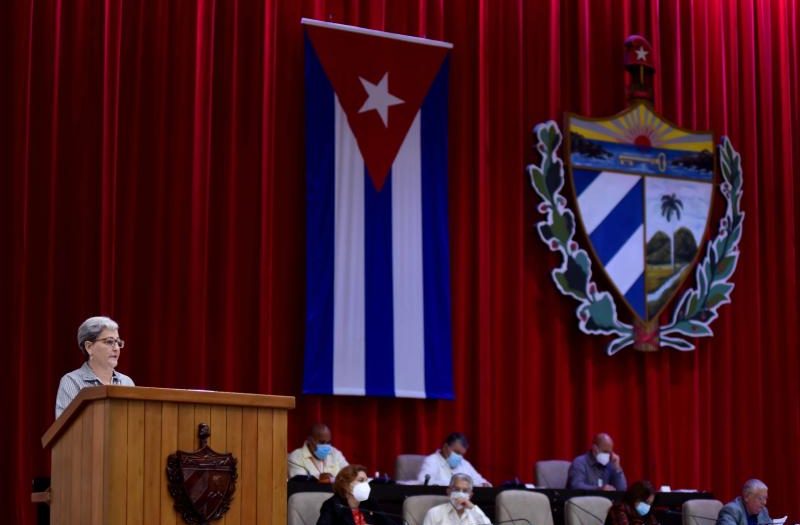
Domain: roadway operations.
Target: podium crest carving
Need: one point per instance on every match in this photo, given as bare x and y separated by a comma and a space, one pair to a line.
202, 483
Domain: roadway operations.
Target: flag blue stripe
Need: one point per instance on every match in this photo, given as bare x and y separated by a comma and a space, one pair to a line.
435, 248
379, 312
620, 224
636, 297
582, 179
320, 177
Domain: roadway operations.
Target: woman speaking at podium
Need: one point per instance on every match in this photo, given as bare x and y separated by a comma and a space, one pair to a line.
98, 339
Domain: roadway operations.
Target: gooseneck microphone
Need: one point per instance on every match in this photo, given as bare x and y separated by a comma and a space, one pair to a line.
427, 480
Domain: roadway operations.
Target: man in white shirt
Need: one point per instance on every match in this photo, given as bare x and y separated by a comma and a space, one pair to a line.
459, 510
317, 457
439, 467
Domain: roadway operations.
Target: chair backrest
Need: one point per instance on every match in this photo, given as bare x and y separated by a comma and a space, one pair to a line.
534, 507
701, 511
303, 507
415, 507
408, 466
552, 474
586, 510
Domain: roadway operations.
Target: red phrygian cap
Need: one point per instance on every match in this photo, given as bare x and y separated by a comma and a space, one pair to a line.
638, 52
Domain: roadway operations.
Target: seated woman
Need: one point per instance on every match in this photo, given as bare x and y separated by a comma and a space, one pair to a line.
98, 339
635, 506
350, 504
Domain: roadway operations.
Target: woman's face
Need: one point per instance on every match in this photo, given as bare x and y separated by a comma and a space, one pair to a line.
649, 500
105, 350
360, 478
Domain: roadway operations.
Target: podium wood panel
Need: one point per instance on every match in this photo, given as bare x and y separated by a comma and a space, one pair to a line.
169, 444
109, 451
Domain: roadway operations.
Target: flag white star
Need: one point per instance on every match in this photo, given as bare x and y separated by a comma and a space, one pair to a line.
641, 54
379, 98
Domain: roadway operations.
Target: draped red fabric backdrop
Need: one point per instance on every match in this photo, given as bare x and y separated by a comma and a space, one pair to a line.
153, 170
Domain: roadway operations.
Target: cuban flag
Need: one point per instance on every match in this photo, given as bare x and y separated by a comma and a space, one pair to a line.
378, 278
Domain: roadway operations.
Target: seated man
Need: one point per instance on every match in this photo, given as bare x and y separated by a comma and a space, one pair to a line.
598, 469
459, 510
748, 509
439, 467
317, 457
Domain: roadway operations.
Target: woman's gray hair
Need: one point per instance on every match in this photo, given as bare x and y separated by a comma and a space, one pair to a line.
91, 328
462, 477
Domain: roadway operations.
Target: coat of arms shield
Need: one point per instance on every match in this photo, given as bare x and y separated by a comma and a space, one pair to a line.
201, 482
643, 191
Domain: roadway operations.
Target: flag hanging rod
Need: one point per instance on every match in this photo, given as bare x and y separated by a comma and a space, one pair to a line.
373, 32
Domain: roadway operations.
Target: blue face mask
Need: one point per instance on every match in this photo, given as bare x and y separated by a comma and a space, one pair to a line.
642, 508
454, 459
322, 451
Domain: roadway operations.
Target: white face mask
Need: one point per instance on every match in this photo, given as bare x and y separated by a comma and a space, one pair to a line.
361, 491
456, 496
603, 458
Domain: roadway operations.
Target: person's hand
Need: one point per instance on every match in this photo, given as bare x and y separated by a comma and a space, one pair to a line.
609, 487
326, 477
615, 461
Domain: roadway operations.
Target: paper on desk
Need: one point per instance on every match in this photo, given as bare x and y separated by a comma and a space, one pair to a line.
779, 521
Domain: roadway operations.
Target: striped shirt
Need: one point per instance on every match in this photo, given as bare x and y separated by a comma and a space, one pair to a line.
83, 377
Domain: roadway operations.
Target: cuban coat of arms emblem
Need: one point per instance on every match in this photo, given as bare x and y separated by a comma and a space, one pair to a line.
642, 190
202, 483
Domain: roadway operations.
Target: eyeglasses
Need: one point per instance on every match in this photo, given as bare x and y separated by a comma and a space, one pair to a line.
111, 341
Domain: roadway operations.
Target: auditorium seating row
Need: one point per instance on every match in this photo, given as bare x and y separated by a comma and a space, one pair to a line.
510, 505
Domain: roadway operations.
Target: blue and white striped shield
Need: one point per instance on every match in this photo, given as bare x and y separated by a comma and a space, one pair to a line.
643, 189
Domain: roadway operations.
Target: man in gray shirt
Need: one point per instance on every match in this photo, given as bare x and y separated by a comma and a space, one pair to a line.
598, 469
748, 509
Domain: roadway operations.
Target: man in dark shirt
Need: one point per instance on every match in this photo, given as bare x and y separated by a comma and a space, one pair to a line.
748, 509
597, 469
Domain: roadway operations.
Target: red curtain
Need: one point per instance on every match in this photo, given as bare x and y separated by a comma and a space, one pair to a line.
153, 170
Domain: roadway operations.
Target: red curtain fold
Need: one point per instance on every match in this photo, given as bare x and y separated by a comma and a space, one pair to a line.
153, 170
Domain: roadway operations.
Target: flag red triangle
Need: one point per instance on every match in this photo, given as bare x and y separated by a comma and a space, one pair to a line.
399, 71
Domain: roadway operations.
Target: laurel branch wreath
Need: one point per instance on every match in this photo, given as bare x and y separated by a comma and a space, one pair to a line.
597, 310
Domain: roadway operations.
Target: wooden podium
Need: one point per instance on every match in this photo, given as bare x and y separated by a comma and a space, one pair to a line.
110, 449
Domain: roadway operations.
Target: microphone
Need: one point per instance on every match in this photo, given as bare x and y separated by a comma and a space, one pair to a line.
369, 512
585, 511
427, 480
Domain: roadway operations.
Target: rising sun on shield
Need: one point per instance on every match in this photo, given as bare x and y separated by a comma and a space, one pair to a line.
643, 189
